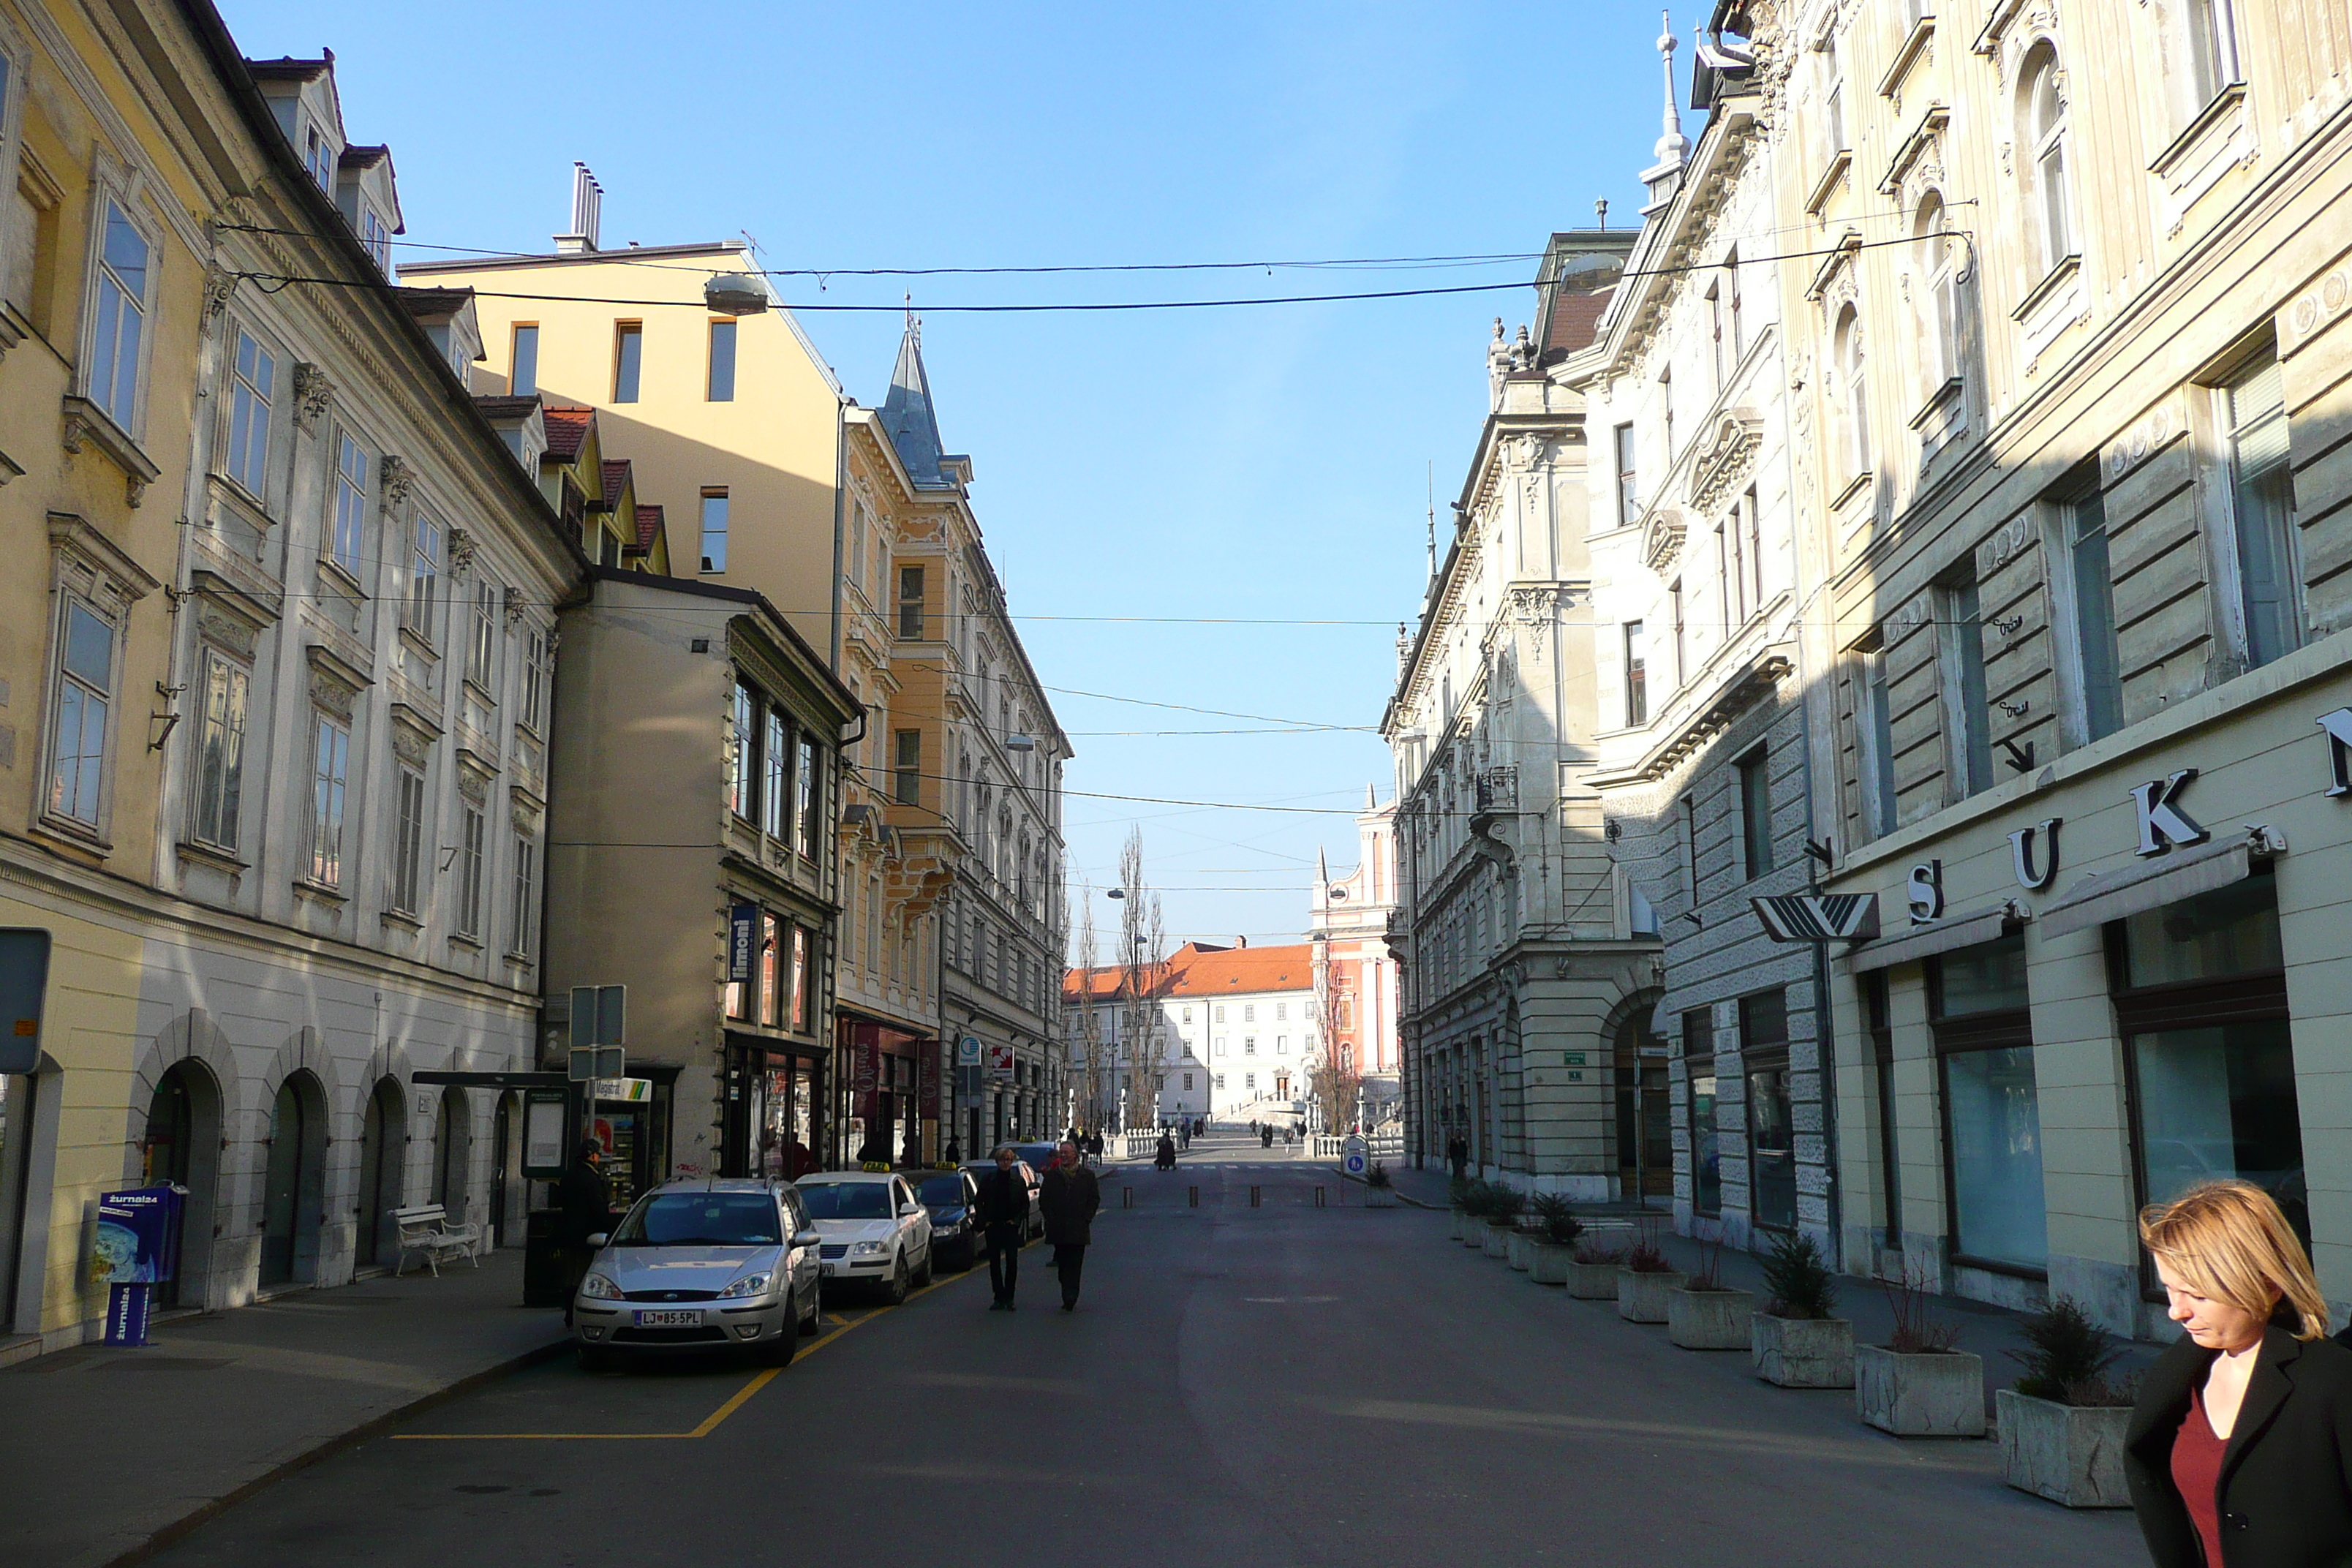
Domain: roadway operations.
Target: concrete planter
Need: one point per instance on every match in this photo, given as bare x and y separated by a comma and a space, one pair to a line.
1642, 1297
1802, 1352
1497, 1242
1591, 1282
1549, 1262
1380, 1197
1454, 1220
1913, 1395
1710, 1320
2064, 1452
1474, 1231
1519, 1250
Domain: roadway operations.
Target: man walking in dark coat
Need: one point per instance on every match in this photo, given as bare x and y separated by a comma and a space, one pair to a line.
1071, 1200
1004, 1220
1457, 1155
586, 1202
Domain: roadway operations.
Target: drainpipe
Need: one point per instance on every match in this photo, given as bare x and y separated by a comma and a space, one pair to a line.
1822, 1034
840, 514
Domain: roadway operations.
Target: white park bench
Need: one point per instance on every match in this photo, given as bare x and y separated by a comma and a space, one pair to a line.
425, 1228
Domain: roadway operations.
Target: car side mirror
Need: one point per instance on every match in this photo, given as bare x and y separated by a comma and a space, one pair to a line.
599, 1239
807, 1239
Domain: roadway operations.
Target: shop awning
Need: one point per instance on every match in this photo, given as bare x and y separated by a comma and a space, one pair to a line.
1936, 936
2179, 873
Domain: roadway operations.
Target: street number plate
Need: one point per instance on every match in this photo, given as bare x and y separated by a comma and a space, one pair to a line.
669, 1320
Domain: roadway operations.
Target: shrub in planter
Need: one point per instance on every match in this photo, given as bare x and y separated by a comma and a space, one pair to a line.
1380, 1188
1644, 1281
2062, 1427
1592, 1269
1797, 1339
1551, 1248
1457, 1205
1917, 1384
1478, 1201
1503, 1207
1705, 1314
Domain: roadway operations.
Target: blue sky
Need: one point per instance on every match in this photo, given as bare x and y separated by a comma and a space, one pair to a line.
1258, 463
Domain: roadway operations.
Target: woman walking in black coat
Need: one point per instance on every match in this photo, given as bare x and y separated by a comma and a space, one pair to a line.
2240, 1451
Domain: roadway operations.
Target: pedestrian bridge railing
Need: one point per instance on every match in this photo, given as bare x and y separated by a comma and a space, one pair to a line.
1377, 1146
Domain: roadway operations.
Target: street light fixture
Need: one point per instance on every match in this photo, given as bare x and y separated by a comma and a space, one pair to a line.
1019, 743
735, 294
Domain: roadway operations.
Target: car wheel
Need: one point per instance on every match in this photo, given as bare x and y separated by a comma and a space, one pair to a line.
778, 1351
595, 1358
816, 1319
923, 1275
895, 1290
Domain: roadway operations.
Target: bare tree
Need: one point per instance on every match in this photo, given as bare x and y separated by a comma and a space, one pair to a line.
1093, 1098
1337, 1082
1142, 941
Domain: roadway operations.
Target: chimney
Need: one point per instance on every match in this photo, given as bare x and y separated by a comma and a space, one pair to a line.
587, 210
1241, 941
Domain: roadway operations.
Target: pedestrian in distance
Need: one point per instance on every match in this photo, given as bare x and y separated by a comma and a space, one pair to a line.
1004, 1220
2237, 1451
1457, 1155
586, 1202
1164, 1156
1184, 1132
1071, 1199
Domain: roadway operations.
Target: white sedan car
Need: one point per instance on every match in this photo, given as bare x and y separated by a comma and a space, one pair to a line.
874, 1230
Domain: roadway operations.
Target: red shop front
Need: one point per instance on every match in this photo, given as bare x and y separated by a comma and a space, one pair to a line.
894, 1094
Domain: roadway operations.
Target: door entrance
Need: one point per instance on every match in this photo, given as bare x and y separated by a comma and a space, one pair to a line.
1645, 1138
294, 1187
182, 1146
501, 1150
384, 1154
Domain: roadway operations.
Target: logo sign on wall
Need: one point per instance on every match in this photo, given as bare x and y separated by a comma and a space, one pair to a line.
1000, 1061
742, 935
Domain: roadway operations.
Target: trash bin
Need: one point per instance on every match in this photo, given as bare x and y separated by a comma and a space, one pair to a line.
545, 1275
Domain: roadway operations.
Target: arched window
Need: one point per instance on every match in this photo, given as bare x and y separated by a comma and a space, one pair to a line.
2045, 137
1939, 263
1853, 406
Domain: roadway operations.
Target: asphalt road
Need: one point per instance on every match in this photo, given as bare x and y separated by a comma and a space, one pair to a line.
1277, 1385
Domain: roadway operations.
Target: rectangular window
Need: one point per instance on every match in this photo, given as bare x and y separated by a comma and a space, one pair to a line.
714, 531
537, 681
376, 234
1249, 1013
2262, 504
220, 755
907, 783
807, 805
1715, 332
628, 359
1706, 1147
1690, 850
2099, 670
1731, 282
1771, 1128
1756, 811
773, 1009
1188, 1083
408, 845
1640, 915
2212, 46
1249, 1044
85, 699
1667, 402
1682, 659
1963, 688
1984, 1045
743, 752
1751, 519
122, 266
1878, 733
1890, 1146
423, 574
910, 603
482, 650
803, 979
350, 503
523, 919
330, 775
775, 791
525, 379
250, 384
720, 387
1637, 687
1249, 1080
470, 840
1629, 498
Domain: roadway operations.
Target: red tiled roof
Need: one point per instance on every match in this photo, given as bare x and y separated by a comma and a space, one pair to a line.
617, 477
649, 526
567, 428
1194, 970
1575, 318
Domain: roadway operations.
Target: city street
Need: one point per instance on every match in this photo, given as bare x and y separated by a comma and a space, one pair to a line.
1277, 1385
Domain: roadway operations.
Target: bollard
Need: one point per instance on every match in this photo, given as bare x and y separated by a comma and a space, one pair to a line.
1319, 1197
1254, 1196
1192, 1197
1126, 1197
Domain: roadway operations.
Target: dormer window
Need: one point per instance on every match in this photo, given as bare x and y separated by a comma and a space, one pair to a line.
319, 158
377, 236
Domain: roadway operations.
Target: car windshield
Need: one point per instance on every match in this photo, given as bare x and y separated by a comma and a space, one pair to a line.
846, 1200
942, 1190
701, 1219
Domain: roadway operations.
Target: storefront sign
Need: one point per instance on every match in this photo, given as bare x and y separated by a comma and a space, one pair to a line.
2162, 824
1000, 1061
2030, 877
1819, 917
625, 1090
742, 940
1925, 892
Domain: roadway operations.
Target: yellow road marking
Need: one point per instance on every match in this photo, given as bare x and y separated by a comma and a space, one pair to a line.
758, 1380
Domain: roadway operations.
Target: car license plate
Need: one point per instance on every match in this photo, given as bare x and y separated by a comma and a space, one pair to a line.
669, 1320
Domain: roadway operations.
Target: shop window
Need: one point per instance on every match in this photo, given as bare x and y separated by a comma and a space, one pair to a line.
1706, 1155
1756, 811
1771, 1130
1992, 1112
2201, 1001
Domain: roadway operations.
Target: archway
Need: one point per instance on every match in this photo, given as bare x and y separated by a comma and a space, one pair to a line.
383, 1165
453, 1152
294, 1189
181, 1145
1645, 1121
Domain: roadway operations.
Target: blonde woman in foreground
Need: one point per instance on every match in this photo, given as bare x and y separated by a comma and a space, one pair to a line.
2240, 1453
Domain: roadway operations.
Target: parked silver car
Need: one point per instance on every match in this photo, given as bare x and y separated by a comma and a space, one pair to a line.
702, 1266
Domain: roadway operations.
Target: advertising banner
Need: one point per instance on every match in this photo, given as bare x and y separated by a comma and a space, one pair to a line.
927, 1080
742, 940
137, 1236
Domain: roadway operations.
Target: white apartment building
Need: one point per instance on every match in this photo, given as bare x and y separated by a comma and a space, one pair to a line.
1228, 1032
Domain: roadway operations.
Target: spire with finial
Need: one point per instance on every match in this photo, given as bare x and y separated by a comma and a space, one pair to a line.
1672, 146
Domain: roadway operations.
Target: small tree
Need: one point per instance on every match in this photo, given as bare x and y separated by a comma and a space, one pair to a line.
2067, 1357
1797, 1282
1143, 970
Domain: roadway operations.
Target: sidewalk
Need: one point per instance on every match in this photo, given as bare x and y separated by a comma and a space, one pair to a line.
1989, 1332
111, 1452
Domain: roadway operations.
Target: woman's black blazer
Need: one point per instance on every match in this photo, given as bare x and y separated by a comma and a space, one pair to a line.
2286, 1475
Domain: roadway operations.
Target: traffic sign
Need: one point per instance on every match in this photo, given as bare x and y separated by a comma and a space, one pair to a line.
1352, 1157
968, 1051
599, 1017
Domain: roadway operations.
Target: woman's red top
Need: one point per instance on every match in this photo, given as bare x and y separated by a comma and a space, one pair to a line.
2196, 1472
